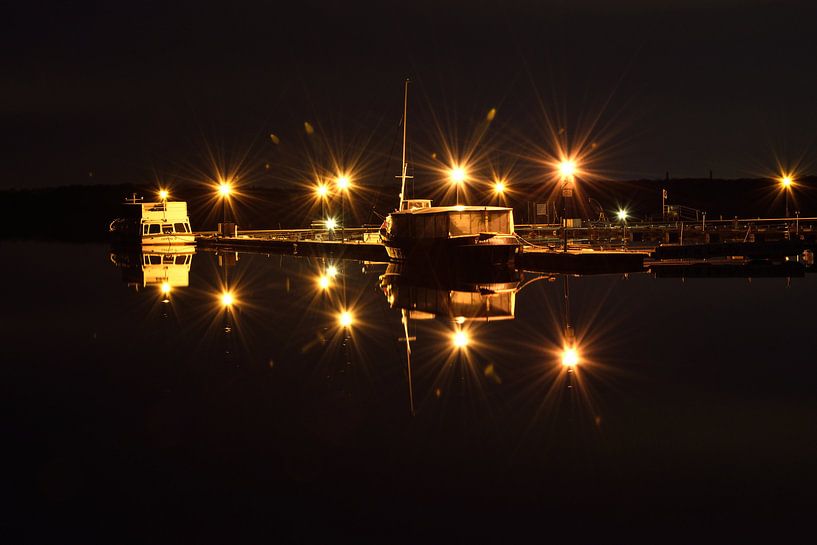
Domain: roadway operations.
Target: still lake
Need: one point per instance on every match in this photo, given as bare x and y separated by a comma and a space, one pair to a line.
131, 415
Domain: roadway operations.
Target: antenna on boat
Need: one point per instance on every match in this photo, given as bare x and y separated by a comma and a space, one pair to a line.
404, 165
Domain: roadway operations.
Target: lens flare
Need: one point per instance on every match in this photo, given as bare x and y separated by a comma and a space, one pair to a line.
570, 357
460, 339
622, 214
324, 282
343, 182
457, 175
224, 189
567, 168
345, 319
227, 299
163, 194
165, 287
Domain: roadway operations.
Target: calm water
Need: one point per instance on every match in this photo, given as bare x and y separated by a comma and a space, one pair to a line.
130, 419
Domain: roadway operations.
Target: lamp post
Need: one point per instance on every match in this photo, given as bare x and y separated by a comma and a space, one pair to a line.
343, 185
163, 195
786, 183
225, 188
457, 176
499, 190
567, 170
622, 217
322, 191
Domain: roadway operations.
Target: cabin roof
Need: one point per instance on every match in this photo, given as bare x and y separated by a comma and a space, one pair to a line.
460, 208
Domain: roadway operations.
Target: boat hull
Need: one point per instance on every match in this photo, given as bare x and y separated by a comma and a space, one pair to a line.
471, 249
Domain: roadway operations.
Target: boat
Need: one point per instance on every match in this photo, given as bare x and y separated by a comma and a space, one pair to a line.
474, 234
163, 222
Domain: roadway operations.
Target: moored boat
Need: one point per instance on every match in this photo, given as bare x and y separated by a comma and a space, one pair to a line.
164, 222
474, 234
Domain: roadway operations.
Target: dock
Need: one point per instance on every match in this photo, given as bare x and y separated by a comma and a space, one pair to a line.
754, 247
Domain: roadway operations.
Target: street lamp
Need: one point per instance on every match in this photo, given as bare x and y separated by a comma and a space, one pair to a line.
786, 183
322, 191
457, 176
622, 217
343, 184
225, 189
567, 170
499, 188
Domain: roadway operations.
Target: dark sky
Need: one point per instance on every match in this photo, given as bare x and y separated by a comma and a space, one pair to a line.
136, 91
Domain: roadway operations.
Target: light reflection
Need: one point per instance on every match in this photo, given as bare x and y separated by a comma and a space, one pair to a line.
570, 357
324, 282
460, 339
346, 319
227, 299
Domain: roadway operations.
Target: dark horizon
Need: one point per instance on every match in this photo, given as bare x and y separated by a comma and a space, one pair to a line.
142, 94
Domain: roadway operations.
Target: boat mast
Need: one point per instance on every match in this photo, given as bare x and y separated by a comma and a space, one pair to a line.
405, 165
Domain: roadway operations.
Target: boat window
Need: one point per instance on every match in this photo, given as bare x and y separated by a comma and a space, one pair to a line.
155, 259
180, 259
144, 229
153, 229
167, 229
179, 227
167, 260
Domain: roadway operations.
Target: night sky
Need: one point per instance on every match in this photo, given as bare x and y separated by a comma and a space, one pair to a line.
115, 92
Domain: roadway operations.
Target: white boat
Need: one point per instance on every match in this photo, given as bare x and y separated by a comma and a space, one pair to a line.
418, 230
164, 222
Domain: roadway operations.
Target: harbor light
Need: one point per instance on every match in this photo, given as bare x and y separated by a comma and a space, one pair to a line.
622, 214
165, 287
567, 168
163, 194
227, 299
499, 187
322, 190
343, 182
331, 223
570, 357
457, 175
460, 339
332, 271
345, 319
224, 189
324, 282
786, 181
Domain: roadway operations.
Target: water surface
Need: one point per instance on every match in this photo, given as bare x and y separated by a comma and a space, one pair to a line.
131, 415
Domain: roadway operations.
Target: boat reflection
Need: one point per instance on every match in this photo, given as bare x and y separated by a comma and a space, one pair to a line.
166, 267
461, 295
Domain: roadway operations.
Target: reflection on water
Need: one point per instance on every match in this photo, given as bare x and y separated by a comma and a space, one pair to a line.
459, 295
166, 267
281, 374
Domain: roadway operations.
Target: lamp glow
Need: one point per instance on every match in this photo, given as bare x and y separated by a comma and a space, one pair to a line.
227, 299
345, 319
332, 271
567, 168
224, 189
163, 194
343, 182
786, 181
322, 190
570, 357
499, 187
331, 223
457, 175
460, 339
622, 214
324, 282
165, 287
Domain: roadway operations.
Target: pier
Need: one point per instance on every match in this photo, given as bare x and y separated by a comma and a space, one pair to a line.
738, 247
